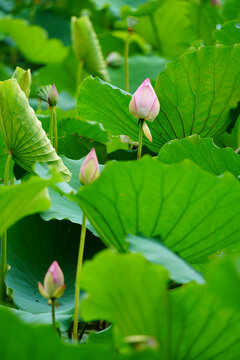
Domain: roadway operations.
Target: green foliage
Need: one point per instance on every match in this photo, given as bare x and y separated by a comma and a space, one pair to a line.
228, 34
131, 293
41, 341
32, 41
203, 152
140, 67
44, 242
61, 207
115, 6
22, 131
23, 78
167, 287
169, 28
87, 48
24, 199
157, 253
198, 91
179, 202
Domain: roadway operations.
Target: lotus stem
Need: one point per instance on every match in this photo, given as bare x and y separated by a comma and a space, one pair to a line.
55, 140
4, 238
126, 52
140, 122
78, 278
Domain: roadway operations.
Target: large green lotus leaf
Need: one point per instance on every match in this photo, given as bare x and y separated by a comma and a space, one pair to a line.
22, 131
3, 159
224, 279
203, 152
33, 244
126, 276
115, 6
32, 42
61, 207
28, 341
108, 105
24, 199
231, 9
140, 67
157, 253
69, 123
87, 47
228, 34
63, 317
181, 324
147, 8
204, 18
197, 92
194, 212
77, 146
169, 28
63, 74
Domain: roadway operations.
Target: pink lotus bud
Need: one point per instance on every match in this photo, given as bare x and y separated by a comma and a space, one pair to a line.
90, 168
215, 2
53, 283
144, 103
53, 96
147, 131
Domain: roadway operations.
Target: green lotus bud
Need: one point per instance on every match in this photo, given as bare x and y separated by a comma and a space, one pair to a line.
49, 94
90, 168
53, 283
53, 96
114, 59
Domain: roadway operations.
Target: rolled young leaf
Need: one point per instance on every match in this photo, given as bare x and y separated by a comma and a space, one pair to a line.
87, 47
24, 79
22, 131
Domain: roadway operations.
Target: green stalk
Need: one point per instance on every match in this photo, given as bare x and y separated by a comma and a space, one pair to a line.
53, 314
126, 51
141, 121
79, 73
3, 269
51, 124
78, 278
155, 31
55, 140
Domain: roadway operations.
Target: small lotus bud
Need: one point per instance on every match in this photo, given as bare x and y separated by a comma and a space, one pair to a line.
53, 96
114, 59
215, 2
132, 21
147, 131
125, 139
53, 283
144, 103
90, 168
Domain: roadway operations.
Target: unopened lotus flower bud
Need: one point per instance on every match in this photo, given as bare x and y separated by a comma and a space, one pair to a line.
125, 139
53, 96
147, 131
144, 103
53, 283
216, 2
90, 168
114, 59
